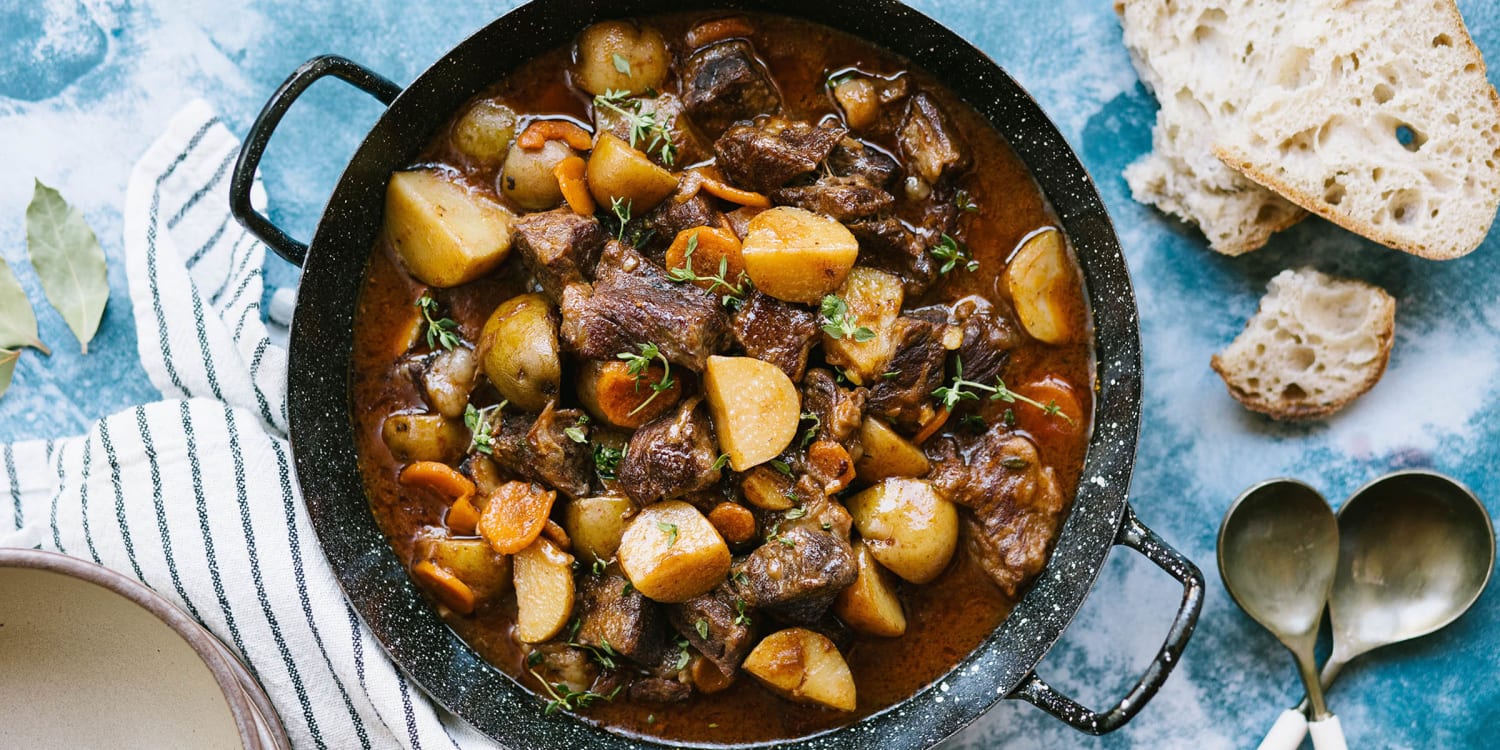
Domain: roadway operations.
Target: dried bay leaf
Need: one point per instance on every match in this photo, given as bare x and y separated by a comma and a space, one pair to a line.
8, 359
68, 261
17, 324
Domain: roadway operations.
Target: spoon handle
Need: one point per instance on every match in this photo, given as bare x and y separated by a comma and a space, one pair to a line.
1327, 734
1287, 732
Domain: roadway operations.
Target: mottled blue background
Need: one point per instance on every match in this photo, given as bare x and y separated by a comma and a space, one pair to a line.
85, 86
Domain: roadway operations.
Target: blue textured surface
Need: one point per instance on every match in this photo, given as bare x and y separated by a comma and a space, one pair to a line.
84, 87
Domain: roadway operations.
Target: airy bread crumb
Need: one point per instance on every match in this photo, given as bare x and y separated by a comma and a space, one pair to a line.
1316, 344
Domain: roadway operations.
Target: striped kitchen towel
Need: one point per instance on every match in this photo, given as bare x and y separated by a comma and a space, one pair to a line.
195, 495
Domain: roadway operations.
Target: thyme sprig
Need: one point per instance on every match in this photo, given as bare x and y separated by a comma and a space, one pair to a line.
686, 273
952, 252
644, 126
621, 210
482, 434
441, 331
950, 395
839, 325
563, 698
607, 460
639, 367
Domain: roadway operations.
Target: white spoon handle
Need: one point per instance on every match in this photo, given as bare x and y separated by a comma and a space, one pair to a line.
1287, 732
1327, 734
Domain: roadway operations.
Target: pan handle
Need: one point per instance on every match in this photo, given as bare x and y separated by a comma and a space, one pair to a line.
1135, 535
254, 147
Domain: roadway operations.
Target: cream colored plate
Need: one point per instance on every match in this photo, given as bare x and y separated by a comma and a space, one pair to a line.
84, 667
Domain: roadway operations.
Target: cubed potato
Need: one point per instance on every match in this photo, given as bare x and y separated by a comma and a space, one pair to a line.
485, 131
671, 553
754, 406
860, 101
528, 177
907, 526
887, 454
596, 524
767, 488
803, 666
424, 437
471, 559
447, 380
1044, 286
797, 255
617, 171
445, 234
519, 353
544, 591
871, 605
614, 396
873, 299
621, 56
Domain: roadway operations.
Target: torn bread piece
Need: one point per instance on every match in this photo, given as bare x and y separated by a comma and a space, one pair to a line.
1316, 344
1376, 115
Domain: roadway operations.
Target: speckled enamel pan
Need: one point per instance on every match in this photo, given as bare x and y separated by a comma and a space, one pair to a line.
103, 661
378, 586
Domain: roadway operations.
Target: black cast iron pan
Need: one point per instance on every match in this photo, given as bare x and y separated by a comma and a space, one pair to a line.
377, 584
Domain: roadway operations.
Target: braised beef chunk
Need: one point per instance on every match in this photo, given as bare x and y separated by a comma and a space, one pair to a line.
659, 690
767, 155
724, 83
1016, 503
730, 634
540, 451
853, 158
671, 455
615, 617
559, 247
840, 411
673, 216
796, 575
930, 145
559, 662
886, 244
905, 399
775, 331
841, 198
634, 302
989, 336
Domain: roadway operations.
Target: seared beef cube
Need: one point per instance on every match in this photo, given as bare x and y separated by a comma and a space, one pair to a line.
766, 156
540, 450
796, 574
905, 398
633, 302
671, 456
1016, 503
659, 690
560, 247
775, 331
673, 216
723, 84
841, 198
616, 617
559, 662
852, 158
839, 411
990, 333
930, 145
730, 636
886, 244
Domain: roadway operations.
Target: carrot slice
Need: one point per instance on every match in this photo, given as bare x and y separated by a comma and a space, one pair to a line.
830, 459
710, 246
933, 425
733, 194
554, 531
719, 29
1049, 428
575, 190
438, 477
463, 517
733, 522
539, 132
515, 516
453, 593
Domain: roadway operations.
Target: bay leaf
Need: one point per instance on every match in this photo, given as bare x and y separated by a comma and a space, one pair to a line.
68, 260
17, 321
8, 359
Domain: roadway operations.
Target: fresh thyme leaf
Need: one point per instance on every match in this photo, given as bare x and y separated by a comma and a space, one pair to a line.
607, 460
839, 78
629, 587
645, 127
795, 513
890, 375
973, 422
811, 432
670, 529
564, 698
781, 466
680, 661
534, 658
639, 366
740, 617
1009, 418
950, 395
68, 262
1015, 463
577, 433
440, 331
965, 202
621, 64
720, 462
621, 210
838, 324
481, 431
686, 273
702, 627
952, 252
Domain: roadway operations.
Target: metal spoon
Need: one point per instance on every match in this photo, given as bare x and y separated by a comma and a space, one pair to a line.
1416, 551
1278, 549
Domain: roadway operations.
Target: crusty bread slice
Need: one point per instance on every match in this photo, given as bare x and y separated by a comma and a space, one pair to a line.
1186, 53
1377, 115
1316, 344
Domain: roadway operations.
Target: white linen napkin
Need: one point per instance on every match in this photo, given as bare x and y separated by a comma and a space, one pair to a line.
195, 495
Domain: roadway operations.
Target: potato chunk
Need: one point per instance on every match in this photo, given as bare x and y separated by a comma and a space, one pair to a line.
1044, 286
445, 234
485, 131
803, 666
797, 255
596, 524
671, 553
424, 437
873, 300
544, 591
528, 175
618, 172
870, 605
754, 406
621, 56
519, 352
907, 527
887, 454
470, 559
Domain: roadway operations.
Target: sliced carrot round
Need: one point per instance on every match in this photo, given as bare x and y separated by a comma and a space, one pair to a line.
463, 517
830, 459
515, 516
539, 132
1049, 428
712, 247
733, 522
438, 477
575, 188
452, 592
